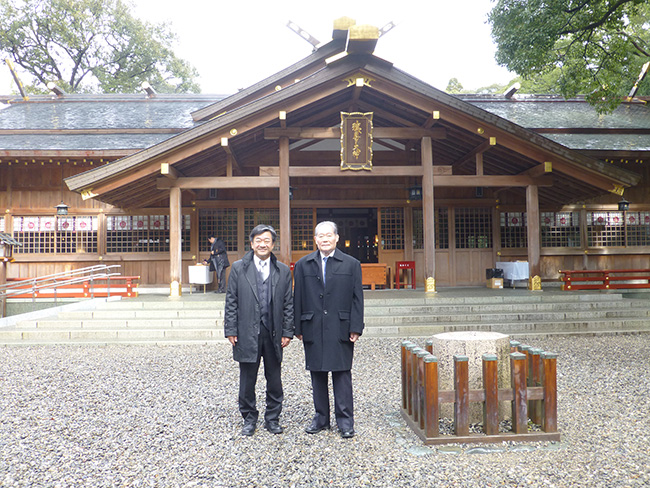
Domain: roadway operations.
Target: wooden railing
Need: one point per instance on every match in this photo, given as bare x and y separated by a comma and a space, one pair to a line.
533, 393
605, 279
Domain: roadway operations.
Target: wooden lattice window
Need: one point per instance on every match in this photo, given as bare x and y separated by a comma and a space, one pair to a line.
256, 216
560, 229
302, 229
76, 234
638, 228
473, 228
605, 229
2, 224
143, 233
221, 222
392, 228
441, 224
514, 230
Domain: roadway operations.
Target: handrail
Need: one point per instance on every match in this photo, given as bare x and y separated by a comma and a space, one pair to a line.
80, 275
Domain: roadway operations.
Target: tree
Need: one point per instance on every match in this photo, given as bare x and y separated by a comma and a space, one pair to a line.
91, 46
454, 86
598, 47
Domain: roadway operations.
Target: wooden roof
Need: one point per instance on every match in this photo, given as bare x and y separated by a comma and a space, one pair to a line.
312, 94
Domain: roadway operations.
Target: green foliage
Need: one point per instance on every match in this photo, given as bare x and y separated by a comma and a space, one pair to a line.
454, 86
91, 46
592, 47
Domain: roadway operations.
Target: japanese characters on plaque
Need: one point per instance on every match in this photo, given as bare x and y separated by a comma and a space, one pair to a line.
356, 140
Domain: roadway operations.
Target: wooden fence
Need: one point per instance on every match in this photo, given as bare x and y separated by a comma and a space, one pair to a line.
533, 394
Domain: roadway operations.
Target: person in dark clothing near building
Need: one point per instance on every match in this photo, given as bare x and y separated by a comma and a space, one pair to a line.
218, 261
259, 324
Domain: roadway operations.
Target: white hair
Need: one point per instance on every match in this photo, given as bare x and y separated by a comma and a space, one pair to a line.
326, 223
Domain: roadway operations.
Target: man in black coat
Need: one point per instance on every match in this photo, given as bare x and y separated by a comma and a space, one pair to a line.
259, 324
219, 261
328, 313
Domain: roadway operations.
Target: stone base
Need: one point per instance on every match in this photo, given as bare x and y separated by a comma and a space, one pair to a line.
472, 344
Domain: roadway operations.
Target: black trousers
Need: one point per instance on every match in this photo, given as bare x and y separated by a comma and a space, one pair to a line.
248, 378
221, 277
343, 402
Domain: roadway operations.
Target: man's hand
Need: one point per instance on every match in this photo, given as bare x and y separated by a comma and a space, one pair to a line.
232, 339
286, 341
299, 337
353, 336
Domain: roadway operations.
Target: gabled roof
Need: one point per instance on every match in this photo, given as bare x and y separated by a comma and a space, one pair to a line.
574, 123
396, 98
95, 122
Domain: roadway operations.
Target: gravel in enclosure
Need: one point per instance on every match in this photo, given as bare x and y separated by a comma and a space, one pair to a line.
141, 416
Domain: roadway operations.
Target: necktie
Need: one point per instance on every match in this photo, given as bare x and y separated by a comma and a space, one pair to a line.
263, 270
324, 268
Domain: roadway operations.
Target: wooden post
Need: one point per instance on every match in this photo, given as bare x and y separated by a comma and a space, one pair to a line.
549, 381
405, 344
175, 254
461, 399
535, 406
428, 213
428, 346
491, 403
518, 377
285, 205
514, 345
532, 217
415, 401
431, 396
409, 378
421, 388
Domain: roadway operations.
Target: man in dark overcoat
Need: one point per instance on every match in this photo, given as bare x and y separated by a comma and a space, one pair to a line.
259, 324
328, 312
219, 261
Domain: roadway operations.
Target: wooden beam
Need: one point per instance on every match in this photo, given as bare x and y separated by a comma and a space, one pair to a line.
480, 149
232, 159
334, 171
335, 133
539, 170
220, 182
169, 171
492, 180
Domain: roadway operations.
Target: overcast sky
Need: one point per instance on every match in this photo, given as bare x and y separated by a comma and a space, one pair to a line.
235, 44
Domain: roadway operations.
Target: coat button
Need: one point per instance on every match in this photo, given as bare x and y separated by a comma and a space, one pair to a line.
325, 312
320, 296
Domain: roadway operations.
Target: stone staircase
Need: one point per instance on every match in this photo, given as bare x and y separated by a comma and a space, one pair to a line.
199, 318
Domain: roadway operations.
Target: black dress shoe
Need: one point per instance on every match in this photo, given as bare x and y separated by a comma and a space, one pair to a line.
347, 434
315, 429
273, 427
248, 429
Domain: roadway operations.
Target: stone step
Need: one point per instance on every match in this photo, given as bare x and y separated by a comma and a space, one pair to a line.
141, 314
121, 323
486, 308
505, 317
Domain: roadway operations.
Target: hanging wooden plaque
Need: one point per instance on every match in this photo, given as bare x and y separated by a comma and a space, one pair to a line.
356, 141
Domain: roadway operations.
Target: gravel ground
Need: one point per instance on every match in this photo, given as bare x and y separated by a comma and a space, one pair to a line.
167, 416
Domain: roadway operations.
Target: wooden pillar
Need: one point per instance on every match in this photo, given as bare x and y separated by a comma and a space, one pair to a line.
428, 217
584, 238
534, 245
285, 204
490, 385
175, 255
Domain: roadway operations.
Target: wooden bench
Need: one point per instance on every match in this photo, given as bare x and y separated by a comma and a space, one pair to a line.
605, 279
374, 274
